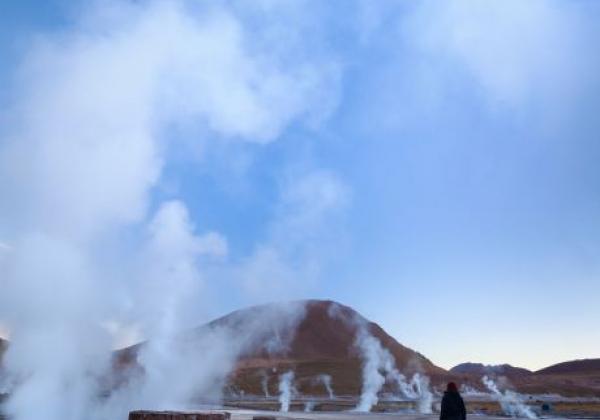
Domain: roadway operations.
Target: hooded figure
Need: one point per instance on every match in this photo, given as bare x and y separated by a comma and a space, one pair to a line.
453, 406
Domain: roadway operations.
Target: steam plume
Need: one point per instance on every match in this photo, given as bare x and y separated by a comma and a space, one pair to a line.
326, 381
286, 389
512, 403
264, 383
95, 255
309, 406
376, 360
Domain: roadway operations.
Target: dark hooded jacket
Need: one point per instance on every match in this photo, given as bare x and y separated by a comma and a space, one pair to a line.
453, 407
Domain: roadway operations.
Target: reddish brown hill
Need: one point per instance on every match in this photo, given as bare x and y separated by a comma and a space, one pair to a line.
574, 367
324, 343
327, 331
314, 338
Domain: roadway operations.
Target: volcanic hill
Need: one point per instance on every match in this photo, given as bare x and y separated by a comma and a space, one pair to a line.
318, 340
324, 343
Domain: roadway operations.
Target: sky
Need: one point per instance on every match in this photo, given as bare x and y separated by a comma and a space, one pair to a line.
434, 165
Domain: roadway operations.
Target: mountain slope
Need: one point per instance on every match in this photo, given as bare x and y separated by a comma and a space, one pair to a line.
480, 369
573, 367
324, 344
327, 331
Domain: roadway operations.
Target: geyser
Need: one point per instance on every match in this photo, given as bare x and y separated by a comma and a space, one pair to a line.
264, 383
512, 403
326, 381
286, 390
377, 359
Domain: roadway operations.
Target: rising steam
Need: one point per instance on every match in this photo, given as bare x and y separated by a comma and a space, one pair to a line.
326, 381
512, 403
286, 390
377, 362
309, 406
97, 254
264, 383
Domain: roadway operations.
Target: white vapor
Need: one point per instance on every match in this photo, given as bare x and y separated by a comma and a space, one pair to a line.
309, 406
512, 403
264, 384
286, 390
374, 359
326, 381
91, 253
379, 367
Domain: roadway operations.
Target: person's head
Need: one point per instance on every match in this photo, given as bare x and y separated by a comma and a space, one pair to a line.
451, 387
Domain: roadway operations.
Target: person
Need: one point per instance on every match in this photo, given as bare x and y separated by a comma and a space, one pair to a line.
453, 406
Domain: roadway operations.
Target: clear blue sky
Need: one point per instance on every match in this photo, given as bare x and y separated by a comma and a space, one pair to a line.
461, 143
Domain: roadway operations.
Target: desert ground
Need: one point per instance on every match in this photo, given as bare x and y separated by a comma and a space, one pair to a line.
250, 414
245, 414
341, 408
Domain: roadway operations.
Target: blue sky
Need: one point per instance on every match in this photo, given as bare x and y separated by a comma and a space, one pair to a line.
440, 176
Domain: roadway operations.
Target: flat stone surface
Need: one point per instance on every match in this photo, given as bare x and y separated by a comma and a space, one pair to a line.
178, 415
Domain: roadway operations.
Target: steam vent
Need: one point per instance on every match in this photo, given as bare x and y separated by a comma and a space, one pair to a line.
176, 415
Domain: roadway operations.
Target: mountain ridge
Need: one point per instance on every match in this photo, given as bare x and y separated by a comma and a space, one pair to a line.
493, 370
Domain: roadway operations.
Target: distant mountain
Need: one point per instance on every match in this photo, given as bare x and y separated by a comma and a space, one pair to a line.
480, 369
574, 367
578, 378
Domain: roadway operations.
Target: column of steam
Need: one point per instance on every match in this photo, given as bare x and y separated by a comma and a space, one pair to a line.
421, 384
376, 359
326, 380
285, 390
511, 402
373, 380
265, 385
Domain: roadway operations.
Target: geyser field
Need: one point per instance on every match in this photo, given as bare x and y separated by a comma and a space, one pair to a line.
309, 358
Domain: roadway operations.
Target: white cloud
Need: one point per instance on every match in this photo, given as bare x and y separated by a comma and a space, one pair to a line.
516, 51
